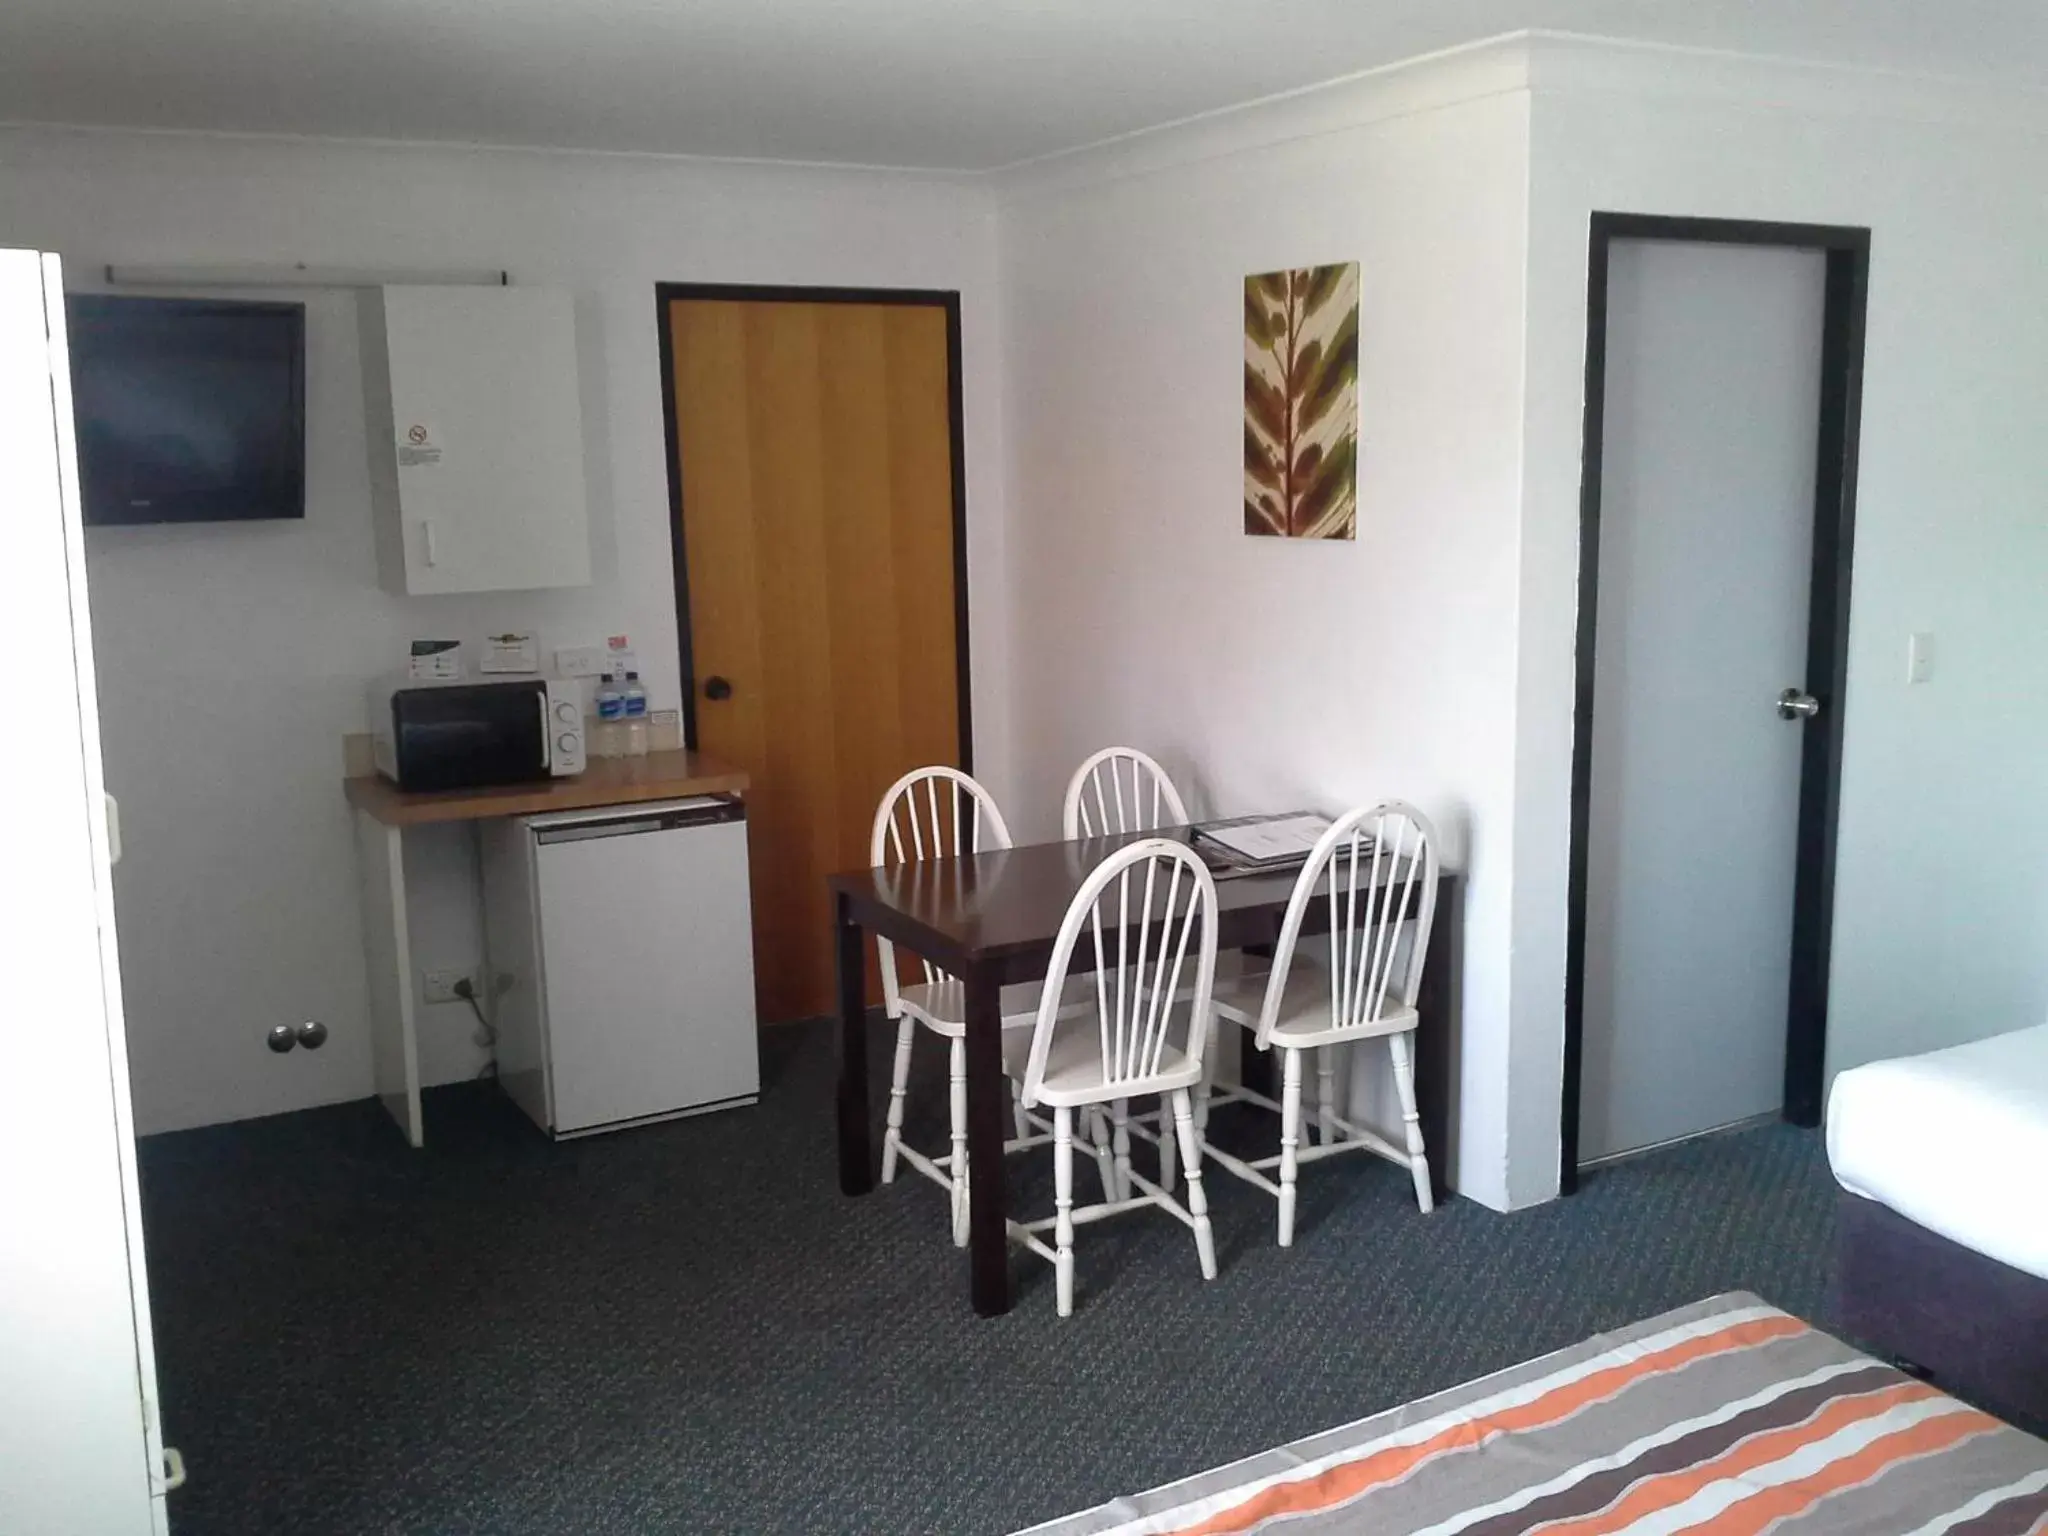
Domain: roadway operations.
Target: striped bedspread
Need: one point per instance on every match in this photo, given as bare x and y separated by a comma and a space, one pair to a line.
1727, 1417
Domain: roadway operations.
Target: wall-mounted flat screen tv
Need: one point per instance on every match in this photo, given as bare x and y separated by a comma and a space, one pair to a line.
188, 410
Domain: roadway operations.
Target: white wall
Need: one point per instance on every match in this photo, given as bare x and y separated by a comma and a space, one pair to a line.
1942, 882
1268, 674
233, 658
1435, 659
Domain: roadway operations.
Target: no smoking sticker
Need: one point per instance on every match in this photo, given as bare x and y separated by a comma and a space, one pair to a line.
418, 446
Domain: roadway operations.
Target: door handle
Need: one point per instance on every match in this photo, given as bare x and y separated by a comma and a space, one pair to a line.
717, 688
1796, 705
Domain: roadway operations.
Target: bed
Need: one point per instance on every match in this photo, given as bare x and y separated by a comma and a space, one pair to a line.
1942, 1235
1726, 1416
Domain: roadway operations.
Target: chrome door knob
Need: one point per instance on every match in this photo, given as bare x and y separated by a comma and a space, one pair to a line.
1795, 705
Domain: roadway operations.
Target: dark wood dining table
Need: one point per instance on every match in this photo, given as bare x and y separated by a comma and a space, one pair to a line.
991, 919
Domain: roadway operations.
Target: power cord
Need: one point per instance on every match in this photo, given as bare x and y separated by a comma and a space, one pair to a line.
487, 1032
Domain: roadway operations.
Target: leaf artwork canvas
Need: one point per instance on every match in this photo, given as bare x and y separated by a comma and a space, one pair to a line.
1301, 402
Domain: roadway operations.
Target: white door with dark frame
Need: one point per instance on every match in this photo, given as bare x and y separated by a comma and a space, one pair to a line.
1707, 484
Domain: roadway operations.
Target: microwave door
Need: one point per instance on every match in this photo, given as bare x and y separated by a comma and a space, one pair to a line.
471, 736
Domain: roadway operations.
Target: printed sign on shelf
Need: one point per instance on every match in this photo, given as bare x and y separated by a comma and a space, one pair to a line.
437, 661
515, 650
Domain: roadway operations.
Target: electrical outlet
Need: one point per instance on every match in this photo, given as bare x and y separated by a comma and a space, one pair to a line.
440, 985
578, 660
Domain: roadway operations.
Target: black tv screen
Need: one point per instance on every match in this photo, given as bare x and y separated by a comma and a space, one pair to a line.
188, 410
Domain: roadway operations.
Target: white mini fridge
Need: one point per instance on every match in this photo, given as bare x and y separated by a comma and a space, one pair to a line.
622, 962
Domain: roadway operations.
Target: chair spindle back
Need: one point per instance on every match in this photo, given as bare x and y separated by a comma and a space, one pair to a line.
1381, 863
930, 813
1143, 916
1120, 789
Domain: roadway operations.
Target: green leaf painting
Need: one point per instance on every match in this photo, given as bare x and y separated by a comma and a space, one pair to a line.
1301, 402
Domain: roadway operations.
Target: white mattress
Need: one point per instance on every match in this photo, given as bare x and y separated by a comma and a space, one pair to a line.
1956, 1141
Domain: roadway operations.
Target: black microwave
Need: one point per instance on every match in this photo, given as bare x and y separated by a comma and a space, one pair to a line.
469, 735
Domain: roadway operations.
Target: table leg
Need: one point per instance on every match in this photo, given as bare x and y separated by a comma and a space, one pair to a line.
1254, 1066
1437, 1002
856, 1136
988, 1239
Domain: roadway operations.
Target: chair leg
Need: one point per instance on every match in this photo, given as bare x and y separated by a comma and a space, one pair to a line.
1198, 1201
1166, 1153
1290, 1138
1404, 1085
1096, 1125
1063, 1206
899, 1080
958, 1165
1017, 1117
1326, 1094
1120, 1117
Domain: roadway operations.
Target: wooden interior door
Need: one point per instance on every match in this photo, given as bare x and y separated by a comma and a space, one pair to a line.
815, 451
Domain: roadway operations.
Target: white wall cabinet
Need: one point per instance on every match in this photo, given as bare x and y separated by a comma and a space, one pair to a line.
475, 423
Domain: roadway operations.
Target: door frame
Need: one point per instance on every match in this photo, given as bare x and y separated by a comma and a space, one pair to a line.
947, 300
1847, 252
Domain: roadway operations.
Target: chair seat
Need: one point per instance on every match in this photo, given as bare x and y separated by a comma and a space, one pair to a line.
1304, 1022
941, 1006
1073, 1068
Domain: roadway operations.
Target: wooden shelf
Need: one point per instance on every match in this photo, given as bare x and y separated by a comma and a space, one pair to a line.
608, 781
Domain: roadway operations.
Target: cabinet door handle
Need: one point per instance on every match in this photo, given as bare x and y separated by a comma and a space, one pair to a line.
427, 538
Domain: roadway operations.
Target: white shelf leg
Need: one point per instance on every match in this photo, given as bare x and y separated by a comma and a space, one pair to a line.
387, 945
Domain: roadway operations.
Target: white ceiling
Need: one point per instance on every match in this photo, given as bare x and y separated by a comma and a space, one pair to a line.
955, 84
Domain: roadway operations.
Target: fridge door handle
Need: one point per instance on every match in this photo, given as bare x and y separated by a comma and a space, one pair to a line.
666, 821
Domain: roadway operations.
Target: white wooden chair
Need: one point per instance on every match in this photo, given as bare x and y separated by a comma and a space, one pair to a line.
935, 813
1381, 868
1157, 901
1120, 789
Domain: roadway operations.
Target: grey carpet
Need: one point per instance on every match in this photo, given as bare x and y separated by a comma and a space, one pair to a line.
687, 1328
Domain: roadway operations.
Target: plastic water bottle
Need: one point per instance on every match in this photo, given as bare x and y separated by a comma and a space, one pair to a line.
611, 715
633, 701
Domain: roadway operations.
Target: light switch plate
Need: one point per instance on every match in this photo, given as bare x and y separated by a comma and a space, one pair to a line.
578, 660
1919, 657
